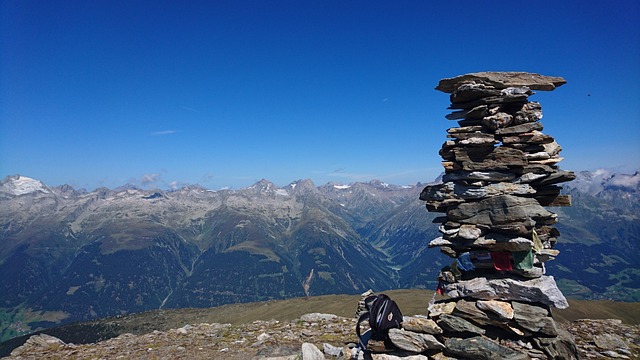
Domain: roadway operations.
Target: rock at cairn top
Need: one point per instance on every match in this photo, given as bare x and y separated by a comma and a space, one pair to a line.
503, 80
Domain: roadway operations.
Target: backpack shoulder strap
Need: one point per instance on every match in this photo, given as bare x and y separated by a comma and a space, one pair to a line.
362, 318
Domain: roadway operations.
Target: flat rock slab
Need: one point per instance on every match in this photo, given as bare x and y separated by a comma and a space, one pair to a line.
414, 342
420, 325
503, 80
543, 290
497, 210
454, 324
482, 348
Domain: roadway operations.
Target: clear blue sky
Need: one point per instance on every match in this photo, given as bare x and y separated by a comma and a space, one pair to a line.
224, 93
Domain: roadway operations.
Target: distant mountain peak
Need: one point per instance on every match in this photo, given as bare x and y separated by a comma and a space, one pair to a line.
19, 185
266, 187
263, 185
378, 183
303, 186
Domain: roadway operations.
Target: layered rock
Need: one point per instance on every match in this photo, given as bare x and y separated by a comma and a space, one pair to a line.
500, 173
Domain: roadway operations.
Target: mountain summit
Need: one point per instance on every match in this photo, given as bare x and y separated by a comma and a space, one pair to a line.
20, 185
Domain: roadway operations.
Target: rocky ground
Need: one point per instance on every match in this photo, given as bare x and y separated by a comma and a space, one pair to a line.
332, 336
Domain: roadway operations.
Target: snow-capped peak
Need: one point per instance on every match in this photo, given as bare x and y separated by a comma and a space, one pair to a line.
20, 185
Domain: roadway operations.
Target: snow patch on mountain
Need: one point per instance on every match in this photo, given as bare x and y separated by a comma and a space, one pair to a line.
341, 187
20, 185
282, 192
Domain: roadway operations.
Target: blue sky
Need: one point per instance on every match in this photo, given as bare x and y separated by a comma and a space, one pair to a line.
225, 93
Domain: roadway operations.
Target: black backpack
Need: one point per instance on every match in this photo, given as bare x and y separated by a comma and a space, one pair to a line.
383, 314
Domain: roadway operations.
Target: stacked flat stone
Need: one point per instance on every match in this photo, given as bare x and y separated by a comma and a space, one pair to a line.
500, 173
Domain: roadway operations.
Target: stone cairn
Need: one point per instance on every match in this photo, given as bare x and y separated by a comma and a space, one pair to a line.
500, 173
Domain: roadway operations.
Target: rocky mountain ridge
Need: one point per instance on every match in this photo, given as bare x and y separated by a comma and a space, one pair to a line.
69, 255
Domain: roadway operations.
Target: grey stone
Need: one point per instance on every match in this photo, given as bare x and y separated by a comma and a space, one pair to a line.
489, 158
420, 325
502, 209
443, 206
562, 346
494, 176
331, 350
262, 337
440, 308
530, 112
557, 177
479, 141
468, 310
466, 129
311, 352
540, 155
317, 317
450, 323
543, 290
545, 255
533, 137
398, 357
502, 242
439, 241
529, 177
552, 148
516, 90
503, 309
492, 101
441, 356
469, 135
497, 121
469, 232
519, 129
36, 343
448, 231
477, 112
609, 342
454, 190
552, 160
614, 355
534, 318
502, 80
482, 348
472, 91
520, 228
414, 342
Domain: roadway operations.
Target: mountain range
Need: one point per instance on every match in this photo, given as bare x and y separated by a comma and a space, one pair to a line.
71, 255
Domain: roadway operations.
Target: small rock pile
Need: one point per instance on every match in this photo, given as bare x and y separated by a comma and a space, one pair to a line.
500, 172
606, 338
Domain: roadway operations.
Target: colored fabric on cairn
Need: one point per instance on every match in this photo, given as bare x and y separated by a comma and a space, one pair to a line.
464, 262
523, 260
455, 271
537, 244
502, 260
